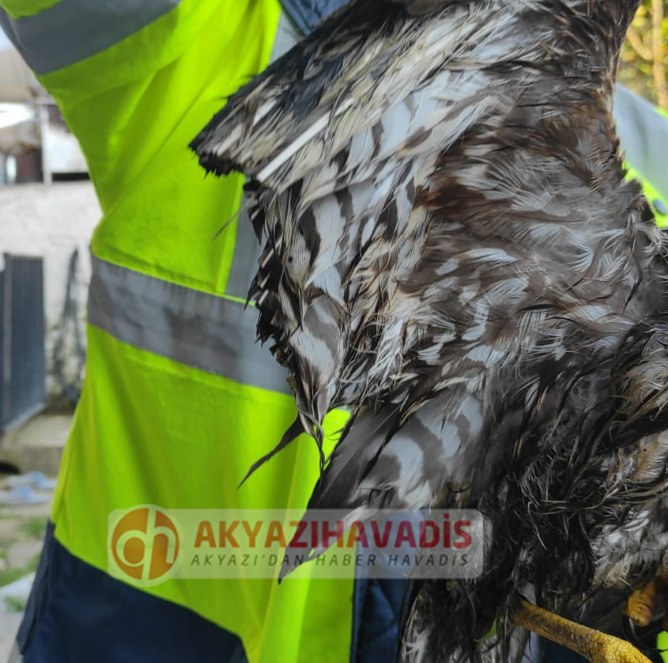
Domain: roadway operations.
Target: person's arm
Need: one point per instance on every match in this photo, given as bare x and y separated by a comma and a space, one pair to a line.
125, 73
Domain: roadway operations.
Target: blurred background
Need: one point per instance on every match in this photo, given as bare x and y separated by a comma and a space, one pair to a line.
644, 62
48, 211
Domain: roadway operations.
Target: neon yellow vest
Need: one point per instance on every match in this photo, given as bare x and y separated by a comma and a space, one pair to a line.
150, 428
173, 412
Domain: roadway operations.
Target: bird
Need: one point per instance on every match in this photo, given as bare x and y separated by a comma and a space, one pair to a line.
453, 253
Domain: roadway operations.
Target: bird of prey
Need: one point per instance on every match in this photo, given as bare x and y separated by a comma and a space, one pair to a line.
453, 253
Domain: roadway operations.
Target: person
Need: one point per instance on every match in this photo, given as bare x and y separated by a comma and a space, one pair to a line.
178, 400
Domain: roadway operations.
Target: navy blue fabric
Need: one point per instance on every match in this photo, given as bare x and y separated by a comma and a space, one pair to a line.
308, 13
376, 610
77, 614
553, 653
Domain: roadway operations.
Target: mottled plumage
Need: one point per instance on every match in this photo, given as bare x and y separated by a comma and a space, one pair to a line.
452, 252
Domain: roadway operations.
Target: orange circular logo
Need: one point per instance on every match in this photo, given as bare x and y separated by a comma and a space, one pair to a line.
145, 544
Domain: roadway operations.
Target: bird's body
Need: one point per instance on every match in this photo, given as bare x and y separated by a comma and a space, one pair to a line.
453, 253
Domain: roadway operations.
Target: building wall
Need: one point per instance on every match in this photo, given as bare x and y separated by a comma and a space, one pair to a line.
51, 221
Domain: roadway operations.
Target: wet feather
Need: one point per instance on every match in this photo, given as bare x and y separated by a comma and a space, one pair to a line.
453, 253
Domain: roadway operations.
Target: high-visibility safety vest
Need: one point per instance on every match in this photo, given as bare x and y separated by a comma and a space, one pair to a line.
178, 400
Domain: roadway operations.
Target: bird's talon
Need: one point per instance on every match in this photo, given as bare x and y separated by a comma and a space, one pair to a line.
594, 645
640, 606
609, 649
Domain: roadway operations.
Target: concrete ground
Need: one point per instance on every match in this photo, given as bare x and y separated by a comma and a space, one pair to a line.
21, 533
12, 599
35, 446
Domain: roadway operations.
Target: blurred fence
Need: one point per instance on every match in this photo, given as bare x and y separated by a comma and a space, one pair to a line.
22, 334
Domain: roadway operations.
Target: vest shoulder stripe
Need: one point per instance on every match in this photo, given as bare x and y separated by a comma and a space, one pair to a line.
200, 330
247, 248
74, 30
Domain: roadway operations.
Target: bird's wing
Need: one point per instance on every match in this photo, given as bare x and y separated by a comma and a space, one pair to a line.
428, 187
339, 136
300, 115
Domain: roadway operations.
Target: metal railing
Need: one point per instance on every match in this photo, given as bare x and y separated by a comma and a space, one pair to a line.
22, 336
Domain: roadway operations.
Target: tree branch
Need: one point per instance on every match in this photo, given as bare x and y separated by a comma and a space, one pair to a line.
639, 46
659, 53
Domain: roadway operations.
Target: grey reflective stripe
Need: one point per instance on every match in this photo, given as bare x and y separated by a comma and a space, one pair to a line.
73, 30
246, 248
308, 13
247, 252
643, 133
210, 333
287, 35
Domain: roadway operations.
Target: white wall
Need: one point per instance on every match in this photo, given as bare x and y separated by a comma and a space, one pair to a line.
50, 221
63, 151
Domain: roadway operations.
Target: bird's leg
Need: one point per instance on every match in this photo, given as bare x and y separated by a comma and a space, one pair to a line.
596, 646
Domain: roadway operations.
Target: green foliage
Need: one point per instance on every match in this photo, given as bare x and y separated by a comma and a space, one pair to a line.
15, 604
637, 70
34, 528
8, 576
